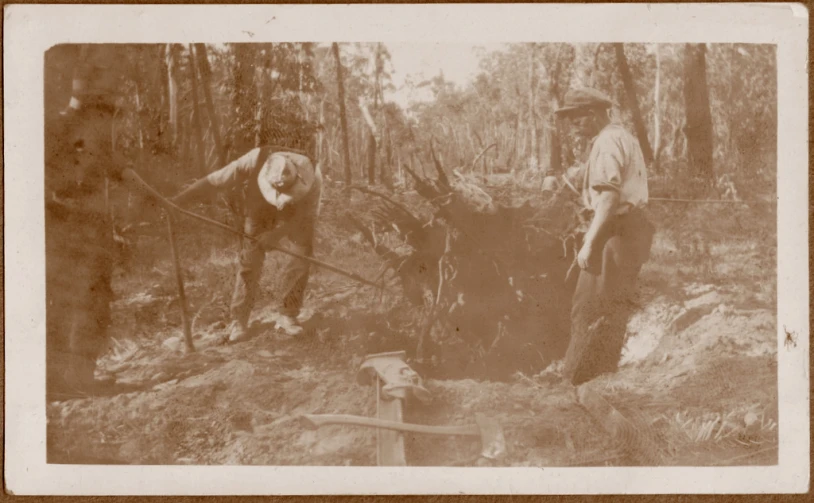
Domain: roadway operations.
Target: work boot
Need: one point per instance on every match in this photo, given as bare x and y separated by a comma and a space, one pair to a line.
289, 325
239, 332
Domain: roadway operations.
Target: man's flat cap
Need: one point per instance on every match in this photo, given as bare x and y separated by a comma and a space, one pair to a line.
583, 98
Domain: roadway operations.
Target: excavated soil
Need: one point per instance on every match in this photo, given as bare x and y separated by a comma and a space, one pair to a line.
697, 384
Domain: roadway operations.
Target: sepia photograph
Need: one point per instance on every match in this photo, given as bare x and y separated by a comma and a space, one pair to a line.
412, 253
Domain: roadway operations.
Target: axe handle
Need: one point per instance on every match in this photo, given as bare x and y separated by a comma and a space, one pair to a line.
318, 420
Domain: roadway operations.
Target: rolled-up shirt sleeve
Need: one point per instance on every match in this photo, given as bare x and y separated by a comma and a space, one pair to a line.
235, 172
606, 170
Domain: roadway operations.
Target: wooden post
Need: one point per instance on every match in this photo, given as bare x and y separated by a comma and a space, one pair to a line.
182, 299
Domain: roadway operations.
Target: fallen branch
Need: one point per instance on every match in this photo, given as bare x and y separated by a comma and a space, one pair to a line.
442, 175
431, 316
386, 198
570, 186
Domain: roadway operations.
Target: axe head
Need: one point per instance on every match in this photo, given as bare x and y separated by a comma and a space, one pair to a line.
493, 443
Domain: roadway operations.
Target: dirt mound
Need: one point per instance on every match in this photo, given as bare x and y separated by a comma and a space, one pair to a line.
697, 385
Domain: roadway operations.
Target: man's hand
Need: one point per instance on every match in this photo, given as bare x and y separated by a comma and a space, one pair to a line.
283, 201
584, 255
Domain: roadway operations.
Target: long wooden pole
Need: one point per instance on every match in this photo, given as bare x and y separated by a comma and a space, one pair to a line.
132, 178
179, 279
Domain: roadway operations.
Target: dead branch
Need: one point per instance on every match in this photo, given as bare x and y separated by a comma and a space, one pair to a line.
442, 176
368, 119
388, 199
477, 157
432, 315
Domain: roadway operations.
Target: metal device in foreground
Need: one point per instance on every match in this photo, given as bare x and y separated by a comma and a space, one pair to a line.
395, 381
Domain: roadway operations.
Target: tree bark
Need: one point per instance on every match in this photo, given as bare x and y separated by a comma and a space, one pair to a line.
320, 150
699, 117
657, 112
595, 70
387, 165
172, 93
245, 95
515, 152
383, 138
630, 92
206, 80
555, 158
196, 117
532, 115
371, 141
343, 118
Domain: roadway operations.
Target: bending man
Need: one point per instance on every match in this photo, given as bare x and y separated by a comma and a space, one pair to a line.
617, 242
281, 192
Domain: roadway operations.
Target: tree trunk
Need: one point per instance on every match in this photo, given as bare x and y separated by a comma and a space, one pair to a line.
301, 94
383, 138
630, 92
186, 162
320, 151
657, 113
343, 118
196, 117
371, 159
387, 164
245, 95
515, 152
372, 142
206, 80
555, 159
555, 155
699, 117
593, 81
138, 118
398, 165
532, 115
172, 92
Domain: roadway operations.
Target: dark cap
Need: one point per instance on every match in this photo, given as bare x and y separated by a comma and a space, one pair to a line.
583, 98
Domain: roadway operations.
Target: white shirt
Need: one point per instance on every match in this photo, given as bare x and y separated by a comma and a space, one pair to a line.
616, 163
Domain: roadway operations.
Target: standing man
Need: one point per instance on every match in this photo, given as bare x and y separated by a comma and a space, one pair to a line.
281, 193
617, 242
80, 250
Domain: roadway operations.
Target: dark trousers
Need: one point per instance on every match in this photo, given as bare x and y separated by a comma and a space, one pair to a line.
78, 273
603, 299
295, 275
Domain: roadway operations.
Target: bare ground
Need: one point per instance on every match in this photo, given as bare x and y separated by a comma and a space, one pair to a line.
697, 385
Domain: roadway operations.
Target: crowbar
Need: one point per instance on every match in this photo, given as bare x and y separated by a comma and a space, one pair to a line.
132, 178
